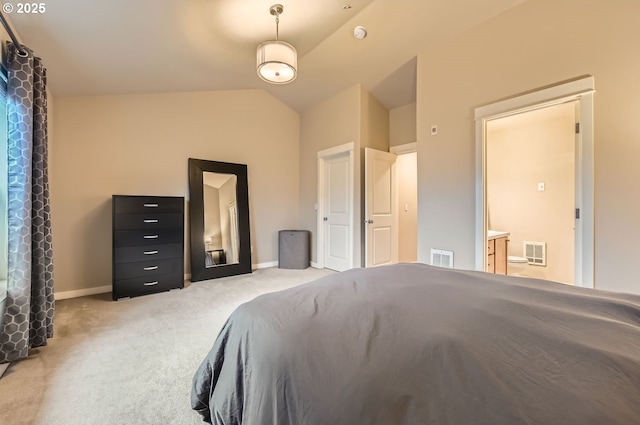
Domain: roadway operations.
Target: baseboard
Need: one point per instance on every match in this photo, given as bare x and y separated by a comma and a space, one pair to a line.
264, 265
82, 292
104, 289
314, 265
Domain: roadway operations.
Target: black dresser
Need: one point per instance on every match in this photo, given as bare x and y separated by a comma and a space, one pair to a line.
148, 244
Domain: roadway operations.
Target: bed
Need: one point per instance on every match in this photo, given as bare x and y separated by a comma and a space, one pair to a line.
416, 344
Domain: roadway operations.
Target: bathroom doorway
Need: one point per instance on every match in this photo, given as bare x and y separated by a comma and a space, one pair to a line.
407, 190
580, 93
530, 189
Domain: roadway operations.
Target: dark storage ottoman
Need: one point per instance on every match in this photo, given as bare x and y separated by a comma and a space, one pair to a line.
293, 249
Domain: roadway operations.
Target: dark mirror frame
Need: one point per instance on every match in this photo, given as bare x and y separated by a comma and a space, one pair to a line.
196, 218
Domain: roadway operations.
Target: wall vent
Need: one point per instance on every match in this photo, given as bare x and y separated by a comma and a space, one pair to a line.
442, 258
535, 252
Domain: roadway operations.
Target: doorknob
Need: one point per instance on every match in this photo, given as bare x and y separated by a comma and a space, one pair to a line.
368, 221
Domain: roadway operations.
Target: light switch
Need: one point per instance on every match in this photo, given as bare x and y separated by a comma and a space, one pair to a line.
540, 187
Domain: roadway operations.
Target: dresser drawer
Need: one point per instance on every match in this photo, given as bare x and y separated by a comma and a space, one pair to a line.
147, 237
129, 254
147, 268
151, 220
144, 204
146, 285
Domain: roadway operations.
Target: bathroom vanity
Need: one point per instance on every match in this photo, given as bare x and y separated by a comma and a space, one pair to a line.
497, 252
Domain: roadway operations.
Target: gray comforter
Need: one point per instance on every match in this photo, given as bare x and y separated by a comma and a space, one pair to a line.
415, 344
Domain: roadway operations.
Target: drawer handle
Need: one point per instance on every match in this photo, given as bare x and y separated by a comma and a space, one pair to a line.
151, 205
150, 236
151, 268
150, 252
155, 282
151, 220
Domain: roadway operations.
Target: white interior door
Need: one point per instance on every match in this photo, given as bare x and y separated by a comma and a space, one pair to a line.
337, 213
381, 217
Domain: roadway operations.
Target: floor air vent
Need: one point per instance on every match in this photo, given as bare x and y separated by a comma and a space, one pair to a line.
442, 258
536, 252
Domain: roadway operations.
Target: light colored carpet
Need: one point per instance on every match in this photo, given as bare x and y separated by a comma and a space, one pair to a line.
130, 361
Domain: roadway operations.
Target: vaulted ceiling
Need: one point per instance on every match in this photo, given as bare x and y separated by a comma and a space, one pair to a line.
107, 47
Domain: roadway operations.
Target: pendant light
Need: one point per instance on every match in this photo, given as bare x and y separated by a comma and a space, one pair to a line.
277, 60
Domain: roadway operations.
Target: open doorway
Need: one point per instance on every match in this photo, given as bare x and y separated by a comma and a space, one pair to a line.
530, 173
407, 189
391, 203
581, 92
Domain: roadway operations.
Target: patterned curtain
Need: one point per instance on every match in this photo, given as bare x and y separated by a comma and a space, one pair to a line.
28, 318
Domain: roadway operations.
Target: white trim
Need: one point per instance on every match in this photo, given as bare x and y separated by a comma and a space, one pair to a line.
336, 150
315, 265
405, 148
264, 265
323, 156
3, 367
82, 292
580, 90
532, 101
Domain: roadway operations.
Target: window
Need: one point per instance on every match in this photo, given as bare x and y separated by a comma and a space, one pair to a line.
3, 186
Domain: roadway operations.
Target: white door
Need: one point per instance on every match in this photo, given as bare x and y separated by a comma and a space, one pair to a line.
337, 213
381, 220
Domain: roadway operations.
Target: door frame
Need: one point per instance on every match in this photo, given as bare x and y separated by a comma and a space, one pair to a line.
323, 156
410, 147
582, 91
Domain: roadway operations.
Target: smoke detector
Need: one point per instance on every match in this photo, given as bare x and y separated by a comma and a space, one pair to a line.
359, 32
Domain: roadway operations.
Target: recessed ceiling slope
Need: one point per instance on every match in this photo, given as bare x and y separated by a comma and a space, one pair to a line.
107, 47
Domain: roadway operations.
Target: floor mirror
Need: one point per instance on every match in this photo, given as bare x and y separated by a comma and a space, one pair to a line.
219, 219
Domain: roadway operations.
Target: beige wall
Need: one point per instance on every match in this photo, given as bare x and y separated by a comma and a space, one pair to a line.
139, 144
331, 123
511, 54
374, 122
374, 118
522, 151
352, 115
402, 125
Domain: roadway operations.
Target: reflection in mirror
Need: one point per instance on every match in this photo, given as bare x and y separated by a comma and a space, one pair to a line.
220, 219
